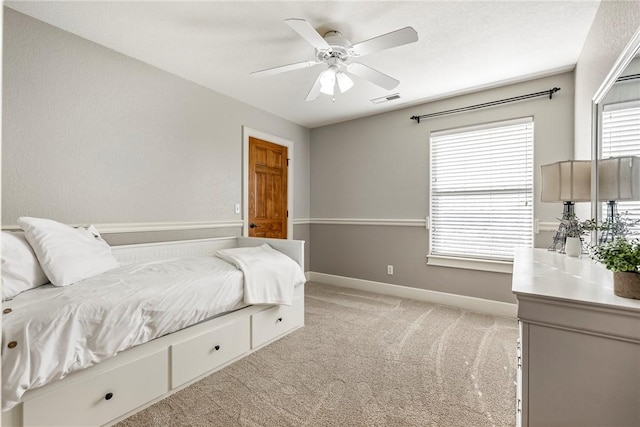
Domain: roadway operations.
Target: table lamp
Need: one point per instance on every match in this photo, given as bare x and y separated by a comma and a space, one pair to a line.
568, 182
618, 180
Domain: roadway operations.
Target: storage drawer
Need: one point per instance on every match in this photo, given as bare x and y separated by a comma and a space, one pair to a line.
100, 399
275, 321
198, 355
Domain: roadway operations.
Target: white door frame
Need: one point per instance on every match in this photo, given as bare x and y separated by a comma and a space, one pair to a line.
246, 133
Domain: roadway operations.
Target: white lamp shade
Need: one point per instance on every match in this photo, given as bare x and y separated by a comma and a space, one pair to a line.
619, 178
344, 82
328, 81
568, 181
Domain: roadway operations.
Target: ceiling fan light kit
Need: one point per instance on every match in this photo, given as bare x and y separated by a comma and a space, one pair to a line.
344, 82
330, 77
328, 80
337, 53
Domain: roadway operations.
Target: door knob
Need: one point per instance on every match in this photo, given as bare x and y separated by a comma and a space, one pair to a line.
252, 225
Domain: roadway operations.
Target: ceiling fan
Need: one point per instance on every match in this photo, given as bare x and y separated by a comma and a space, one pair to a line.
337, 53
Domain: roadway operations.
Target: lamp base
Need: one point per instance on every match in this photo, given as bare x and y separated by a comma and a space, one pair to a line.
560, 239
610, 227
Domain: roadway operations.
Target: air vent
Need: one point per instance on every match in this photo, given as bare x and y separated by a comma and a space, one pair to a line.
386, 98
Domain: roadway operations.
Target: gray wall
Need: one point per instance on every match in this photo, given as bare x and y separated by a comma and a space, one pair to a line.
93, 136
377, 167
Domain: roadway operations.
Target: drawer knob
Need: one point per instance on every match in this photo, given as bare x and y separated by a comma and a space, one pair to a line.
216, 348
108, 396
279, 319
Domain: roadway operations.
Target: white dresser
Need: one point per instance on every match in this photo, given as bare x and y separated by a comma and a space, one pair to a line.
579, 358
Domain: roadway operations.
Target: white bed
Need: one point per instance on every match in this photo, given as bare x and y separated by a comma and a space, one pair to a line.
168, 353
59, 330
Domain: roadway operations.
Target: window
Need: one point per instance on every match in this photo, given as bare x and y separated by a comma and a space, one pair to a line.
482, 190
621, 137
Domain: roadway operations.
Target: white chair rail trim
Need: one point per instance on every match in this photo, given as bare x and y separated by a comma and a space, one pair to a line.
136, 227
369, 221
546, 226
406, 222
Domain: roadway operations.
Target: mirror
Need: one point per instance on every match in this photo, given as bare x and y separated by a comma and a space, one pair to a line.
617, 142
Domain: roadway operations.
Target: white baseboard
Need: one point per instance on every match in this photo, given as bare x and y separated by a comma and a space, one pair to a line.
480, 305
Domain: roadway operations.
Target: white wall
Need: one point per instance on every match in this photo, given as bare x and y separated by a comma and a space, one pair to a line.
93, 136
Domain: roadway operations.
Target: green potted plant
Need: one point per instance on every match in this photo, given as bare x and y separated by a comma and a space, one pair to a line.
621, 255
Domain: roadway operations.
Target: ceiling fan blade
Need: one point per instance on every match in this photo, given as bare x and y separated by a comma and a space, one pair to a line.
315, 89
308, 33
374, 76
386, 41
284, 68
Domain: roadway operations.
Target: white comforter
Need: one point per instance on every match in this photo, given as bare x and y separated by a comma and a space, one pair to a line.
61, 330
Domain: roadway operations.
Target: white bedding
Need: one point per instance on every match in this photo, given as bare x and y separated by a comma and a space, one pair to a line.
94, 318
268, 274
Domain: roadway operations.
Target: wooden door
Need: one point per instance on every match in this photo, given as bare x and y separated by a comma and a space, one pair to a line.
267, 189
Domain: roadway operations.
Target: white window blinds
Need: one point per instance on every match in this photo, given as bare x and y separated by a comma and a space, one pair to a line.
621, 137
482, 190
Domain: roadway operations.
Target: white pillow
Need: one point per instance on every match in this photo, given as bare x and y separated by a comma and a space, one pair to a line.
20, 268
67, 254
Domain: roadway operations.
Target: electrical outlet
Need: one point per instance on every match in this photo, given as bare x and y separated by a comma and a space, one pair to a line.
390, 270
237, 207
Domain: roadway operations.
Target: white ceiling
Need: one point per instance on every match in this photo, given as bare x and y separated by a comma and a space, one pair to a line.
462, 46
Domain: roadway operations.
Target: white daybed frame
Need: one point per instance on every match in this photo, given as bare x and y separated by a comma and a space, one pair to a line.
136, 378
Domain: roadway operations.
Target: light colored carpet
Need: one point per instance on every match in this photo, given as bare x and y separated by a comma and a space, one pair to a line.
363, 359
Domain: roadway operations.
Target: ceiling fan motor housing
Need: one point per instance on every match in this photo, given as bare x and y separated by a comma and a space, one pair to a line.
340, 49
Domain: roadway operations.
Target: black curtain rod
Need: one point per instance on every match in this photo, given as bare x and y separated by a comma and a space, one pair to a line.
549, 93
627, 78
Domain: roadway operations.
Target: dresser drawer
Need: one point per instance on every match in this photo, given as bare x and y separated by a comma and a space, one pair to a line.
201, 354
275, 321
100, 399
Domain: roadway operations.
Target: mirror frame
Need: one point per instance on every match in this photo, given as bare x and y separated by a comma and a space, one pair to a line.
631, 50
